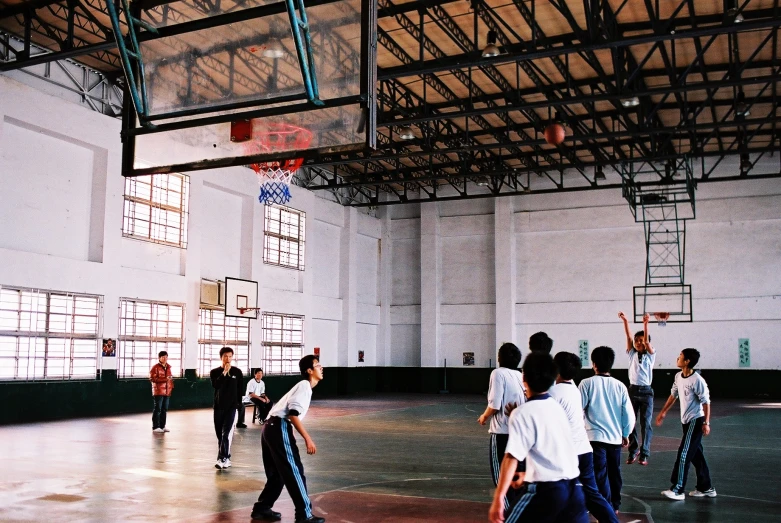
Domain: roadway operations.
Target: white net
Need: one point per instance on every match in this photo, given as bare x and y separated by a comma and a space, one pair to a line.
274, 185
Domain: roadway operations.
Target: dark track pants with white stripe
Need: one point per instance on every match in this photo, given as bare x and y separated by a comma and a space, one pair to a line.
690, 451
224, 424
283, 467
495, 456
549, 502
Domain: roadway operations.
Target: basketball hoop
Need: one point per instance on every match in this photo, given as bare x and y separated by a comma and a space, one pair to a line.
242, 310
274, 176
661, 318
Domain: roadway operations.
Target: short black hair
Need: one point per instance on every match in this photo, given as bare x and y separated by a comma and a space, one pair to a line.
161, 354
509, 356
540, 342
257, 370
640, 334
693, 355
539, 372
569, 364
306, 363
225, 350
603, 358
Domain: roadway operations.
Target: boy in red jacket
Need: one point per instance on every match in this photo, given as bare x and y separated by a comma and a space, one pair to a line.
162, 386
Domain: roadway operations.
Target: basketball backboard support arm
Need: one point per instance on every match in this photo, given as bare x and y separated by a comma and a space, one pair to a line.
285, 104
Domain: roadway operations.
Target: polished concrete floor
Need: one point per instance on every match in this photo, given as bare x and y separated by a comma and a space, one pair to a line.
400, 459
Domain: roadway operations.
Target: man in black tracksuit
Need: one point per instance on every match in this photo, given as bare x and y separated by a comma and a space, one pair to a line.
227, 382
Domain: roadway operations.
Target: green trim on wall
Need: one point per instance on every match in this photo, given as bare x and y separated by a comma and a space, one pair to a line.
24, 402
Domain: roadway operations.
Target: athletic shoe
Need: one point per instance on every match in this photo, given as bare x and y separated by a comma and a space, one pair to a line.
313, 519
710, 493
220, 464
159, 431
241, 426
166, 430
673, 495
226, 463
266, 514
644, 461
632, 458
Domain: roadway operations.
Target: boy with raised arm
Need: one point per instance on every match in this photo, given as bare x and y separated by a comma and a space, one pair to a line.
641, 366
281, 459
539, 433
695, 419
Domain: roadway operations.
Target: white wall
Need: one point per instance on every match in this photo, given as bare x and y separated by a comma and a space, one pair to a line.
61, 196
574, 260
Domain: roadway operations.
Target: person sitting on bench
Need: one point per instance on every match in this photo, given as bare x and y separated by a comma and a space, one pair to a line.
255, 395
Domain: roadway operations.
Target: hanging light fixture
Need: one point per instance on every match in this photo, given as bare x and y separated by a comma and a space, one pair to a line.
274, 49
491, 49
630, 102
599, 174
405, 132
742, 109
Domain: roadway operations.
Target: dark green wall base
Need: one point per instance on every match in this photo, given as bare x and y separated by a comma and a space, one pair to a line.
52, 400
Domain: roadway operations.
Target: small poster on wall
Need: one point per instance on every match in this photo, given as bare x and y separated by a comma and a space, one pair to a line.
109, 348
744, 352
469, 359
317, 352
360, 356
583, 353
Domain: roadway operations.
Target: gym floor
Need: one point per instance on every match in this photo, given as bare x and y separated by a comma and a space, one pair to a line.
390, 458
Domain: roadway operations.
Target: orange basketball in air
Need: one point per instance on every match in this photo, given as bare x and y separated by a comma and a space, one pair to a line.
554, 134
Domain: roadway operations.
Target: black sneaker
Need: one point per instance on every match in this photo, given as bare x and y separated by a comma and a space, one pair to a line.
313, 519
241, 426
266, 514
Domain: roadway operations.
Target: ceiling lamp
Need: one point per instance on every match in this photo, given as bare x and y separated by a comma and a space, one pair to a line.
405, 132
742, 109
599, 174
491, 50
630, 102
738, 18
274, 49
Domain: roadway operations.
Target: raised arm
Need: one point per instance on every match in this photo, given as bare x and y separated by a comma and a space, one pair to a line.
629, 343
647, 343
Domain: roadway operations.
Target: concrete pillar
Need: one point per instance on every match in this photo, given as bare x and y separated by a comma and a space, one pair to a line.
348, 289
430, 286
505, 270
385, 290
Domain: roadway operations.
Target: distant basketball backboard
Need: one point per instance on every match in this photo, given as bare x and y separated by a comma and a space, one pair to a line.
241, 298
241, 61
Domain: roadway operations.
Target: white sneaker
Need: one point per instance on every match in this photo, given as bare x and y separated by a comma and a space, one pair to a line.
159, 431
220, 464
710, 493
166, 430
673, 495
226, 463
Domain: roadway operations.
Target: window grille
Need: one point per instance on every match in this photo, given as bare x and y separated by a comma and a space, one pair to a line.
156, 208
283, 342
217, 331
145, 329
48, 335
284, 237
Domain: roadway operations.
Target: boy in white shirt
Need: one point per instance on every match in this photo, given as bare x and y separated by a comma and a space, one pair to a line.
567, 394
540, 434
504, 388
609, 421
641, 367
281, 459
255, 395
695, 418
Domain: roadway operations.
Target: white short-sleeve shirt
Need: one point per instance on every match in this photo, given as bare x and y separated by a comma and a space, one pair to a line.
504, 387
568, 396
694, 393
641, 367
254, 387
540, 434
297, 398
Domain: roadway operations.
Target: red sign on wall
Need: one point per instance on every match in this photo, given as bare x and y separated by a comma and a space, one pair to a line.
317, 351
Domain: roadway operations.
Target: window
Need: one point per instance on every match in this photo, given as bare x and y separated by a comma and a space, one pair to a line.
48, 335
156, 208
146, 328
284, 233
283, 342
218, 331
